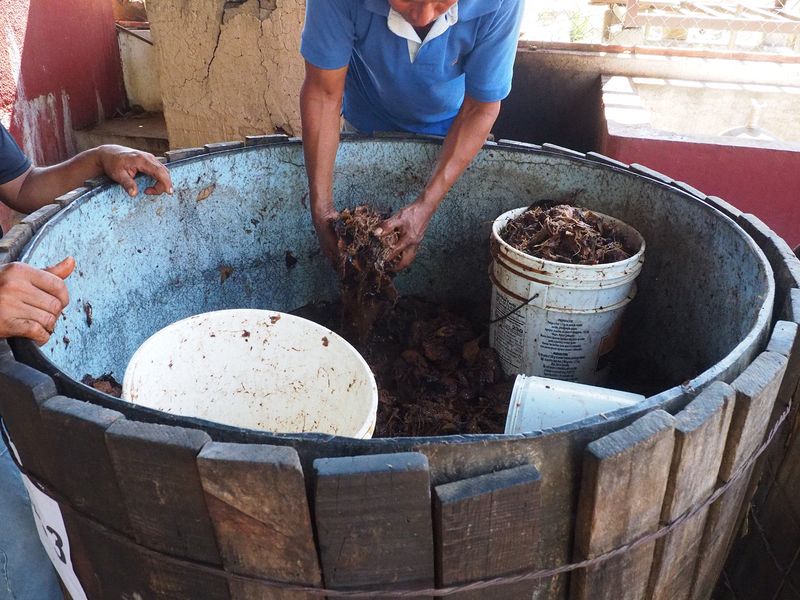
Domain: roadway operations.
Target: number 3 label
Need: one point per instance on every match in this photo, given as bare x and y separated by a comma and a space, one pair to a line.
52, 532
53, 535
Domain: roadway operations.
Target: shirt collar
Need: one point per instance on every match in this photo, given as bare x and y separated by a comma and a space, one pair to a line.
399, 26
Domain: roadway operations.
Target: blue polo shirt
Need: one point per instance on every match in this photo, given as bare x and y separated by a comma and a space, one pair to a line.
384, 90
13, 162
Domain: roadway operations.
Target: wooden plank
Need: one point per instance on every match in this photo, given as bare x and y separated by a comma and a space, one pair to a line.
24, 390
776, 505
724, 207
786, 342
785, 265
624, 479
70, 197
83, 471
156, 469
486, 527
183, 153
559, 459
256, 496
373, 519
756, 390
265, 140
791, 307
37, 219
701, 431
106, 568
14, 241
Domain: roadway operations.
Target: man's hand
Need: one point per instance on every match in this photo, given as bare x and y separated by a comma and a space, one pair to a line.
122, 164
31, 300
465, 138
410, 224
328, 240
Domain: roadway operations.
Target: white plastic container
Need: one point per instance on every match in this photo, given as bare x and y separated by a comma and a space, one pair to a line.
540, 403
554, 319
255, 369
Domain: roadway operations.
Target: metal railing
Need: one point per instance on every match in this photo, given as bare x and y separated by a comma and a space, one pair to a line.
720, 26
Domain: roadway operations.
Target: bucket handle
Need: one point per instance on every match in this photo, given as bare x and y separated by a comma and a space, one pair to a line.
515, 310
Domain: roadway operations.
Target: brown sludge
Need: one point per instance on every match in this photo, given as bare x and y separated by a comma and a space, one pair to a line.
365, 276
105, 383
565, 234
436, 374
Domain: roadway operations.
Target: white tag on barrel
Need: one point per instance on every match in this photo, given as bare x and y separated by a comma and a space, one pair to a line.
52, 532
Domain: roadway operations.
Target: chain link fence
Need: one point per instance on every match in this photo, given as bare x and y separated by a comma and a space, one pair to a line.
723, 26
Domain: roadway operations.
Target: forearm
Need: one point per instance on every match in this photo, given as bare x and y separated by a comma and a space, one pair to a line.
44, 184
320, 112
466, 137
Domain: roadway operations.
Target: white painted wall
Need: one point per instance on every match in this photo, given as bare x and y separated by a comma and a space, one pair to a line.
140, 71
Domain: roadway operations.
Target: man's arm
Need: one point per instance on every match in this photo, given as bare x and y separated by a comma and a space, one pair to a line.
31, 299
467, 135
320, 110
39, 186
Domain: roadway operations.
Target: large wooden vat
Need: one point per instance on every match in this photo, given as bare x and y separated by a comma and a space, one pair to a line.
159, 506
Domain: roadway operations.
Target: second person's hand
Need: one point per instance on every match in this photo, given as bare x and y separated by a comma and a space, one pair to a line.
31, 300
123, 164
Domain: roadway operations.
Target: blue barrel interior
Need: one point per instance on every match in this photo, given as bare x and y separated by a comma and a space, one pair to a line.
704, 298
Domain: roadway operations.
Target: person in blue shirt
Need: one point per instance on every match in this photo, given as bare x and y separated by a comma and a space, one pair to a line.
420, 66
31, 301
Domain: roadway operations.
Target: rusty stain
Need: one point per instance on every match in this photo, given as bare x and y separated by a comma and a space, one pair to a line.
274, 319
224, 272
206, 192
65, 339
87, 308
245, 334
325, 341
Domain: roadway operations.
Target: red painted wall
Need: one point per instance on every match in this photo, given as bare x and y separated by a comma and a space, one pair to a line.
760, 181
59, 70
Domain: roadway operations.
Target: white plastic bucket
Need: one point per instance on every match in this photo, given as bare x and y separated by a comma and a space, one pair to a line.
554, 319
255, 369
539, 403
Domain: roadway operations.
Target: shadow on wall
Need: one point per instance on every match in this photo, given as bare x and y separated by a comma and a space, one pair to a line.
551, 102
62, 72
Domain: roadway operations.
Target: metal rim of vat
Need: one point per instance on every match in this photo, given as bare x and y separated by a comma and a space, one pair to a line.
731, 364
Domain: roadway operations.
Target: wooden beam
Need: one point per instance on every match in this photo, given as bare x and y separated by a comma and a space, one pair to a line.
373, 518
624, 479
256, 496
701, 430
156, 469
485, 527
756, 390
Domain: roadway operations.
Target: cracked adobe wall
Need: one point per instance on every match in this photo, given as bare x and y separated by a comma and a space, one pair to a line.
228, 69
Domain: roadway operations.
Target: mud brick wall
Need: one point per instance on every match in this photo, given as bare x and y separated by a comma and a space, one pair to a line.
228, 69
